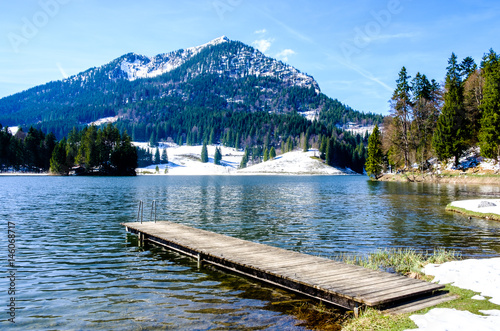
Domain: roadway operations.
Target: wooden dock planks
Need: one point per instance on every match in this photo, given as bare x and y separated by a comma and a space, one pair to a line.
341, 284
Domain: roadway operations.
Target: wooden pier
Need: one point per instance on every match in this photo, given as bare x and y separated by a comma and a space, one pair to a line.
344, 285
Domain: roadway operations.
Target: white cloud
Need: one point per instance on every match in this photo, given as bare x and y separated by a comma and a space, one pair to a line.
283, 55
263, 44
260, 31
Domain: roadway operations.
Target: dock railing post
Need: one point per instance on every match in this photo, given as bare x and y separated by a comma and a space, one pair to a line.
153, 211
139, 212
142, 211
198, 260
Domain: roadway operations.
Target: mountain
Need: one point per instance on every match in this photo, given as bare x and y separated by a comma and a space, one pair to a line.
171, 94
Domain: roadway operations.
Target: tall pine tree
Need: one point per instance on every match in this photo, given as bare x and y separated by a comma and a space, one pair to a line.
402, 112
217, 156
489, 135
204, 153
450, 136
375, 155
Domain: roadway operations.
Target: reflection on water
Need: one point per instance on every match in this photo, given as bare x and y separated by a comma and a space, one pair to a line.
77, 269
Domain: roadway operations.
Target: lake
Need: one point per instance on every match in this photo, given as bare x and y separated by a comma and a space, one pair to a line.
76, 268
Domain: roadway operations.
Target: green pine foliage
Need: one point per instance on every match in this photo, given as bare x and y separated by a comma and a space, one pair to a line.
444, 122
266, 155
164, 157
451, 131
29, 151
157, 159
217, 156
272, 153
489, 135
100, 152
375, 159
402, 106
204, 153
244, 159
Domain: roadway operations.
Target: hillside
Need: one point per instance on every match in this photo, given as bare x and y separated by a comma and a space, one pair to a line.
170, 94
185, 160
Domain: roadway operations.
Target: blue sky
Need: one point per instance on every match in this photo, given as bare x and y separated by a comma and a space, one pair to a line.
354, 49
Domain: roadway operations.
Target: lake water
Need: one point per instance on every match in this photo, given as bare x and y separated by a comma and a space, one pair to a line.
76, 268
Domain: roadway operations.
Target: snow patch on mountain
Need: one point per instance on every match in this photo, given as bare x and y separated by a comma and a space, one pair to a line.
105, 120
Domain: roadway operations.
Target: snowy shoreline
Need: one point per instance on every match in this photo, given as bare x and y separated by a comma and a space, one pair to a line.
478, 275
484, 208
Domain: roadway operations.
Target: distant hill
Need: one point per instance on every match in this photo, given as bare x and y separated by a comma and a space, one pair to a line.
179, 94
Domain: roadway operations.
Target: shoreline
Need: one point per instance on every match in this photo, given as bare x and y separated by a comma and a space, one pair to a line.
447, 178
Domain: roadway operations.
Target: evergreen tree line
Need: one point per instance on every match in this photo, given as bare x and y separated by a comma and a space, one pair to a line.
146, 158
23, 151
429, 120
93, 151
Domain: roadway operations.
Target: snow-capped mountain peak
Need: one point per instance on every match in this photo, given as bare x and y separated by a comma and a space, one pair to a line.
136, 66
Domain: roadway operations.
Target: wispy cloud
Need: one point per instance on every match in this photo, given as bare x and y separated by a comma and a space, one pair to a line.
290, 30
363, 72
63, 73
283, 55
260, 31
263, 44
385, 37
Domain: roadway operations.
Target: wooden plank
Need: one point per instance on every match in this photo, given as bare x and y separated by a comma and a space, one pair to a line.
384, 296
420, 304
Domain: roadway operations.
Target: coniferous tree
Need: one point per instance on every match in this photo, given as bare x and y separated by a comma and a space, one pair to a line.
244, 159
266, 154
450, 136
157, 159
204, 153
473, 98
211, 139
374, 162
489, 135
217, 156
164, 157
58, 160
272, 153
426, 96
305, 142
402, 112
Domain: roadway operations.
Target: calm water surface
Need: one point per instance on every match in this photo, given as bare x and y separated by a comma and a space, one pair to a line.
77, 268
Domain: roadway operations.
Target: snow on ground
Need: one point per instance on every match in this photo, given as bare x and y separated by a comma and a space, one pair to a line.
13, 130
185, 160
293, 163
481, 276
356, 128
105, 120
471, 159
484, 206
311, 115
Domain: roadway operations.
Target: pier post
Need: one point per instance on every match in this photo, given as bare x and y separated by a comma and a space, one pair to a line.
198, 260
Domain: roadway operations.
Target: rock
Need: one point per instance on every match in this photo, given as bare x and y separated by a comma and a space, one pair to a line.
483, 204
